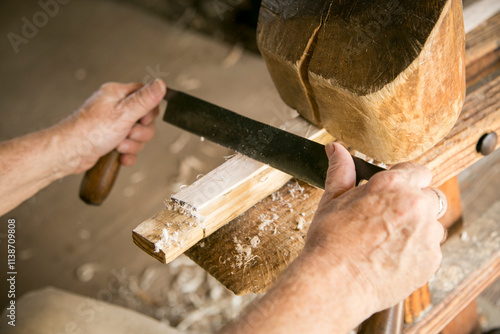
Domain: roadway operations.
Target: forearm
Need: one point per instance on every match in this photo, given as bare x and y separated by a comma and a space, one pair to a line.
117, 116
30, 163
312, 297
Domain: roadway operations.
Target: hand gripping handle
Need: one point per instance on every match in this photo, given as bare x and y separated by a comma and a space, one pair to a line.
99, 180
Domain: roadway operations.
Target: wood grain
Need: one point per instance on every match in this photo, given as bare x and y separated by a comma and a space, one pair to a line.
385, 77
214, 200
417, 303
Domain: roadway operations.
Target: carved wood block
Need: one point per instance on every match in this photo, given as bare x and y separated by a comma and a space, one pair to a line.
385, 77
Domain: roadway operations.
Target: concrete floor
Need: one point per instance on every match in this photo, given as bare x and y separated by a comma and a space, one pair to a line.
63, 242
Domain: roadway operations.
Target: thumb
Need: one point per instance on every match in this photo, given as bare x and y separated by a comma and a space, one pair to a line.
341, 175
140, 102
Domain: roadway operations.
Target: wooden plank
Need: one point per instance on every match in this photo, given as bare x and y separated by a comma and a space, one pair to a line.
479, 12
249, 253
215, 199
471, 262
482, 51
185, 225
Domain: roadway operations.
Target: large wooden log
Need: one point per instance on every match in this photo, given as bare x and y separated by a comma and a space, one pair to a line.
385, 77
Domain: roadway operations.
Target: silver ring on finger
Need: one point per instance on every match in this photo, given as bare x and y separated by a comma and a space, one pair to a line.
442, 202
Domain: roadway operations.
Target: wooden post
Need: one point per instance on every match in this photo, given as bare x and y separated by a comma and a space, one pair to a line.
385, 77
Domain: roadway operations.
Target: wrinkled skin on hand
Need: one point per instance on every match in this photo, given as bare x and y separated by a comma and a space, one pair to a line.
387, 229
367, 249
117, 116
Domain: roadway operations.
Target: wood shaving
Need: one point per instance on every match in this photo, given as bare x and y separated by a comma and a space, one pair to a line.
243, 254
301, 221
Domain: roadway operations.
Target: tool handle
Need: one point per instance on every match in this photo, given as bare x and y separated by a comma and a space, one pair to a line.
388, 321
98, 181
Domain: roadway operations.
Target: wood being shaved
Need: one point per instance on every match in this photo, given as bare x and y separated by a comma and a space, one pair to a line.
280, 223
215, 199
385, 77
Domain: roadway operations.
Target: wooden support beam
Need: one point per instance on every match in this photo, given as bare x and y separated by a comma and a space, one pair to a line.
466, 322
228, 197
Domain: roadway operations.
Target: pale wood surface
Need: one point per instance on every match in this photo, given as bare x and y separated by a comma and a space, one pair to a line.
215, 199
387, 78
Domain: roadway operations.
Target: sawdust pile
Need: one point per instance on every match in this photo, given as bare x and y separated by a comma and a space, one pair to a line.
180, 294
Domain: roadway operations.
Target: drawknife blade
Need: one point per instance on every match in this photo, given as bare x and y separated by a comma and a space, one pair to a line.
302, 158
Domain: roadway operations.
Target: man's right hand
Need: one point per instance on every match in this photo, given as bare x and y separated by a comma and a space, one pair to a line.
117, 116
385, 231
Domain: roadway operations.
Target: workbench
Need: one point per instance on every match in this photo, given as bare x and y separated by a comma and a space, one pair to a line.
250, 252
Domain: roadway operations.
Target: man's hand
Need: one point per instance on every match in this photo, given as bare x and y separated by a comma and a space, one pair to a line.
366, 250
385, 231
117, 116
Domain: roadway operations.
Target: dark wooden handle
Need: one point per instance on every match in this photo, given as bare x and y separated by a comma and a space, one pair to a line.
99, 180
389, 321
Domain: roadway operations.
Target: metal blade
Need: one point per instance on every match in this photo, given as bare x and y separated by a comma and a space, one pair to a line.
300, 157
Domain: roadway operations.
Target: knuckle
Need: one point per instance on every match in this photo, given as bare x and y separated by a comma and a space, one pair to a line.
406, 165
108, 86
150, 133
141, 99
419, 202
385, 180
